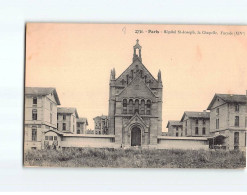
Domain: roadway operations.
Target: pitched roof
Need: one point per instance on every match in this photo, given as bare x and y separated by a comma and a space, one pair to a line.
42, 91
229, 98
174, 123
82, 120
67, 110
101, 117
192, 114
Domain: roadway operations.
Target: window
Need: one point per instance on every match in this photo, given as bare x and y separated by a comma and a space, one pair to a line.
34, 134
204, 121
137, 106
148, 107
142, 107
57, 125
64, 126
217, 111
236, 107
176, 128
217, 123
33, 148
50, 117
203, 130
55, 137
50, 138
78, 124
35, 101
176, 134
236, 138
73, 128
236, 121
196, 121
78, 131
124, 106
131, 107
46, 137
196, 131
34, 114
64, 117
127, 79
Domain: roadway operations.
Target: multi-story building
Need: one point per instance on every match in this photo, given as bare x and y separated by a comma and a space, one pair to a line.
175, 128
66, 119
81, 125
40, 115
196, 124
228, 121
135, 105
101, 125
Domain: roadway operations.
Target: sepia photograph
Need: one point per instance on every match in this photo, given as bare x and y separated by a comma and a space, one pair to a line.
135, 96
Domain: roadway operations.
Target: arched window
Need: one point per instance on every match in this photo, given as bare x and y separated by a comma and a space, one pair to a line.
131, 106
78, 131
137, 106
127, 79
124, 106
142, 107
145, 78
148, 107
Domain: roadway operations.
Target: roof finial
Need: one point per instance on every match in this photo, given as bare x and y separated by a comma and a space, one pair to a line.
137, 41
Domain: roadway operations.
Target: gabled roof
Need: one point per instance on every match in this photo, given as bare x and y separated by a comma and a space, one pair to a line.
101, 117
228, 98
174, 123
135, 80
42, 91
193, 114
136, 115
82, 120
67, 110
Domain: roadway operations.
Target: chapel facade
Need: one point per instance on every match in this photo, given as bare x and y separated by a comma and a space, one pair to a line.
135, 104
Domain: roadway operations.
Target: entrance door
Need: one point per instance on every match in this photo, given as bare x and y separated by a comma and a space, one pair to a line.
136, 136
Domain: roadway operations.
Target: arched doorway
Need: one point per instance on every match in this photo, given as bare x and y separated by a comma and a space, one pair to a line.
136, 136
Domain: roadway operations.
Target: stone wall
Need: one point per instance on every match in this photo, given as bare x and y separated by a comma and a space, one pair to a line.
183, 143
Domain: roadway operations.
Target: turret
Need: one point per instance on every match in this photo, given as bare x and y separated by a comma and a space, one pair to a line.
137, 46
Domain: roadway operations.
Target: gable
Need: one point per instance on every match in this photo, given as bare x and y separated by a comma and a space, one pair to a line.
136, 68
216, 101
137, 88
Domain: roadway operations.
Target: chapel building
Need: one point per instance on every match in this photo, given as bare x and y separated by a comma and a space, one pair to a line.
135, 104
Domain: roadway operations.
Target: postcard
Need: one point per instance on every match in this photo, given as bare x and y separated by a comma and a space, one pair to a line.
135, 95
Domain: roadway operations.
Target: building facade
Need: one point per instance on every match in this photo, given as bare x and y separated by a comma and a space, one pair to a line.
66, 119
175, 128
81, 124
228, 121
196, 124
101, 124
135, 104
40, 115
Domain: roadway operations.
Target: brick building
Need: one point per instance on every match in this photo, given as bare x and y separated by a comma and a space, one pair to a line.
175, 128
101, 124
196, 124
66, 119
81, 125
40, 115
228, 121
135, 104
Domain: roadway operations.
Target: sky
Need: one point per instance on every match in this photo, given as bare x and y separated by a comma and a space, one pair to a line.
77, 60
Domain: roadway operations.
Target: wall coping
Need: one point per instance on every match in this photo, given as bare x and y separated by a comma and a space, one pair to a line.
183, 138
88, 135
